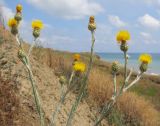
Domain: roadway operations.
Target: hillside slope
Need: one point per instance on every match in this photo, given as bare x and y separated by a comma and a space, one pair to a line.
15, 78
17, 106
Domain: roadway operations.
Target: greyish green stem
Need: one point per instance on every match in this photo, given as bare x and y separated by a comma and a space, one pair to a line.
105, 112
84, 84
18, 41
31, 47
108, 106
115, 84
71, 78
58, 107
26, 62
36, 96
62, 99
133, 82
125, 73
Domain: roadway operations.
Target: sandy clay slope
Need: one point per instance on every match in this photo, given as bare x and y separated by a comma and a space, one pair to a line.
22, 107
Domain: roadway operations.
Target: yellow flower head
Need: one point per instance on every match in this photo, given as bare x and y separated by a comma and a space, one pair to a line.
76, 57
12, 22
145, 58
37, 24
79, 67
123, 36
19, 8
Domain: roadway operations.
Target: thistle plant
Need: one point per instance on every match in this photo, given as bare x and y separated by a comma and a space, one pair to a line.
37, 25
13, 24
92, 28
78, 68
145, 59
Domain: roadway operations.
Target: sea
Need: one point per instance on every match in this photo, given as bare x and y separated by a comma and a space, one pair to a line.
154, 67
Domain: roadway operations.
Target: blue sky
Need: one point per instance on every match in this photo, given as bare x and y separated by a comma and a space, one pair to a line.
66, 23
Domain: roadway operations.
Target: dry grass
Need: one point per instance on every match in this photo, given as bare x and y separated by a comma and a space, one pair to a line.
134, 109
137, 110
100, 86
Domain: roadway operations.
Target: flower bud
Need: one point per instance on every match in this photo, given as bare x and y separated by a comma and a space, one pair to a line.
21, 53
36, 32
115, 67
143, 67
19, 8
18, 16
92, 24
124, 46
62, 80
22, 56
14, 30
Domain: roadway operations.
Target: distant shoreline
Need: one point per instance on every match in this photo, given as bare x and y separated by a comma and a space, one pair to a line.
147, 73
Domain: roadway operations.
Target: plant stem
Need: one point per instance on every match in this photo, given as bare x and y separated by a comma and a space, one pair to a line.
62, 99
115, 84
71, 78
58, 107
105, 112
31, 47
127, 79
125, 73
84, 84
19, 42
36, 96
26, 62
133, 82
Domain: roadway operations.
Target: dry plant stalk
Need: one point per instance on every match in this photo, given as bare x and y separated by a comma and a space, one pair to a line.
13, 24
122, 38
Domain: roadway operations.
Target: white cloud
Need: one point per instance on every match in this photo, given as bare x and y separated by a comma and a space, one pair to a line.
152, 2
6, 13
149, 21
116, 21
145, 35
69, 9
147, 38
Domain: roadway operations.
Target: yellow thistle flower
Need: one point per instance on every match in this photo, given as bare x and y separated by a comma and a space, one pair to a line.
145, 58
79, 67
123, 36
76, 57
12, 22
37, 24
19, 8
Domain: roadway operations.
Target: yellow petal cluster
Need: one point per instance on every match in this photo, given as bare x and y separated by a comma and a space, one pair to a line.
37, 24
79, 67
76, 57
12, 22
145, 58
123, 36
19, 8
